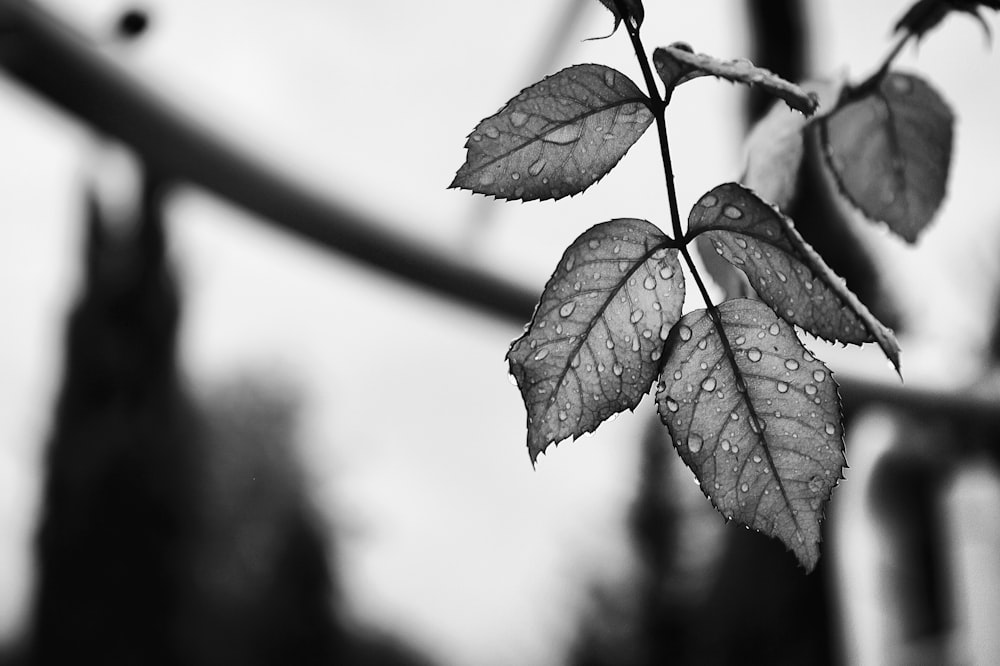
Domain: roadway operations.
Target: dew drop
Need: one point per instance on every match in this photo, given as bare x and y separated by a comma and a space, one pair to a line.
637, 316
664, 333
782, 387
754, 354
709, 384
684, 332
741, 340
542, 353
515, 176
756, 458
732, 212
563, 135
792, 364
725, 445
617, 369
709, 200
492, 132
563, 416
819, 375
781, 277
535, 169
745, 487
666, 272
672, 405
635, 344
741, 242
733, 416
655, 355
774, 329
570, 262
567, 309
678, 375
609, 343
831, 429
649, 282
807, 357
601, 367
811, 389
609, 78
694, 443
518, 118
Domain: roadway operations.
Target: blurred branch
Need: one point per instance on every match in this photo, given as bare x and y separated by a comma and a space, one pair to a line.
44, 55
47, 57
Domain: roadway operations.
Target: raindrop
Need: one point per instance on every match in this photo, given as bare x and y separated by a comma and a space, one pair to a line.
782, 387
672, 405
515, 176
694, 443
703, 343
792, 364
741, 242
609, 343
577, 286
542, 353
649, 282
567, 309
807, 357
782, 277
725, 445
745, 487
709, 384
635, 345
811, 389
741, 340
664, 332
756, 458
666, 272
684, 332
617, 248
594, 243
655, 356
492, 132
609, 78
600, 367
636, 316
754, 354
518, 118
617, 369
732, 212
559, 329
819, 375
830, 429
678, 375
563, 135
570, 262
709, 200
774, 329
563, 416
736, 449
733, 416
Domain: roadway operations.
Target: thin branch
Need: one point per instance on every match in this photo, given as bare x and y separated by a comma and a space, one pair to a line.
45, 56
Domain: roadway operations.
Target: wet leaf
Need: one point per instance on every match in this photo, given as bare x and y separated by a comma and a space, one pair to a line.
633, 8
786, 272
925, 15
593, 347
889, 149
557, 138
676, 64
758, 420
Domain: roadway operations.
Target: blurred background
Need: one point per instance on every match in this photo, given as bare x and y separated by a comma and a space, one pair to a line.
221, 443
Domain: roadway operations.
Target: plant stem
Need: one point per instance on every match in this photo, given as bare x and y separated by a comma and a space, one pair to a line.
873, 80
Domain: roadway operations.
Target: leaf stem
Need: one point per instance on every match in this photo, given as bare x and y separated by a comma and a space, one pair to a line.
879, 73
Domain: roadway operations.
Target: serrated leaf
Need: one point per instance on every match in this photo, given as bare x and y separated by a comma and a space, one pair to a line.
925, 15
889, 150
593, 347
676, 64
557, 138
758, 420
633, 8
786, 272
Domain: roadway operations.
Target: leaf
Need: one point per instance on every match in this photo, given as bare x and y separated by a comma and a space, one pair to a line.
593, 346
889, 149
557, 138
925, 15
775, 145
786, 272
677, 63
633, 8
758, 420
